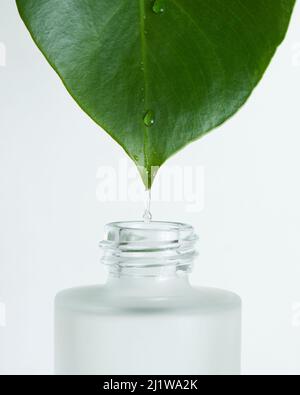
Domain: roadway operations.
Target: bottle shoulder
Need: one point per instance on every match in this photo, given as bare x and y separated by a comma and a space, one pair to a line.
103, 300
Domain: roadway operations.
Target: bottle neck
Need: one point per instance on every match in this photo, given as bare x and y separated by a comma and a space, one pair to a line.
157, 270
158, 286
158, 253
149, 274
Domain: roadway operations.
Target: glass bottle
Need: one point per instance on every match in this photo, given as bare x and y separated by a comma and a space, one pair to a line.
147, 319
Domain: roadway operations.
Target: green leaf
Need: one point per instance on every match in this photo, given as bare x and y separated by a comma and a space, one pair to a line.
157, 75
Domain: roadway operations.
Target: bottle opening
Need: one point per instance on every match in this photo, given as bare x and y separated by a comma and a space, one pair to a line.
145, 247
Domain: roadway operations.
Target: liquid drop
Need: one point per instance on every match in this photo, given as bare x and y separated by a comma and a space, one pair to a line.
149, 119
147, 214
159, 6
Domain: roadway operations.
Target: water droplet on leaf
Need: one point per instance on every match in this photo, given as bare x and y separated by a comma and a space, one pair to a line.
159, 6
149, 119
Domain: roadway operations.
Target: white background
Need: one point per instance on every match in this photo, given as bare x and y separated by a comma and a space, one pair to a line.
51, 219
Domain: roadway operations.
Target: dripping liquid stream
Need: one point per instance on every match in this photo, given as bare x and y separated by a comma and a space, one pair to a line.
147, 213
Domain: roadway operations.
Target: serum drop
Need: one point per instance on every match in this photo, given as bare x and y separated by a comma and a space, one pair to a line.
147, 213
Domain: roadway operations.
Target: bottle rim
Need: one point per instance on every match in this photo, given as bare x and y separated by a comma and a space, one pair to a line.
140, 245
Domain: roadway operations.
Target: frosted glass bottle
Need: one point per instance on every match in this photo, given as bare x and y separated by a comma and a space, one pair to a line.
147, 319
